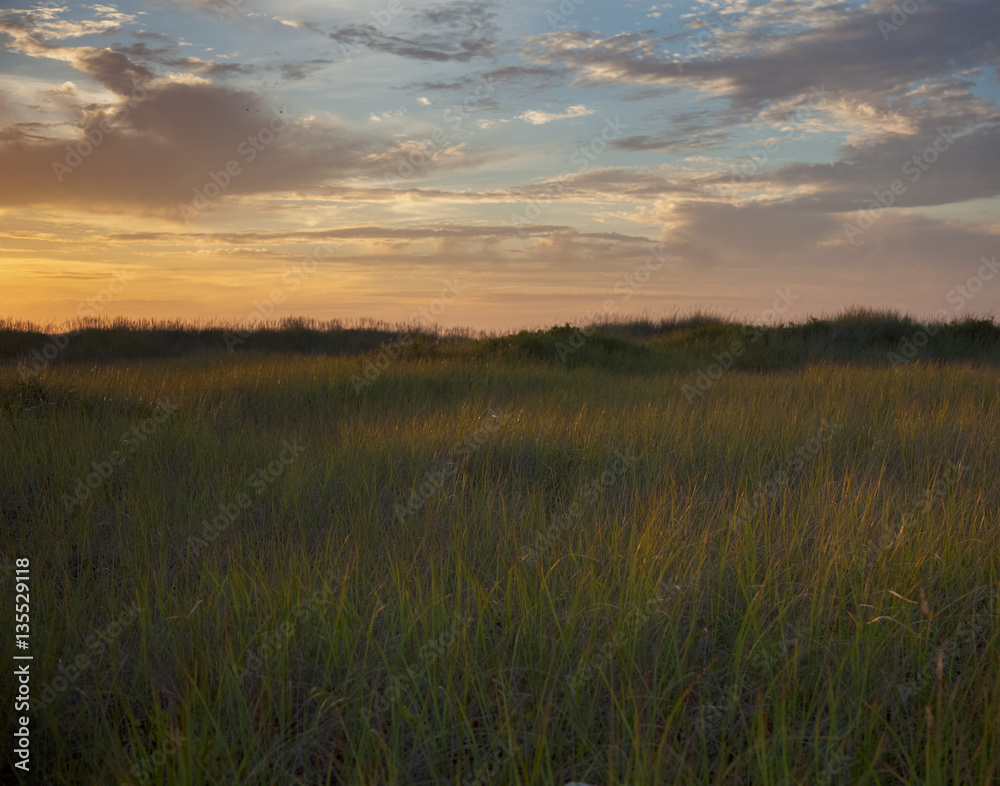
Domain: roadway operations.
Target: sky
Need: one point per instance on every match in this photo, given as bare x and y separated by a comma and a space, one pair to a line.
498, 165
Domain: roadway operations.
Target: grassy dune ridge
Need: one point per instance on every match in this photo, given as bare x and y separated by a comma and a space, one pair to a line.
790, 576
857, 335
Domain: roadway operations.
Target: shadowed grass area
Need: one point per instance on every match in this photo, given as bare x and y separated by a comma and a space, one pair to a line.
484, 565
858, 335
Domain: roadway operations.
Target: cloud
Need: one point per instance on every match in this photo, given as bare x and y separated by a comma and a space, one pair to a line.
889, 96
676, 142
112, 69
766, 57
164, 138
458, 32
531, 77
499, 249
537, 118
151, 36
303, 69
417, 232
943, 150
168, 56
47, 24
786, 240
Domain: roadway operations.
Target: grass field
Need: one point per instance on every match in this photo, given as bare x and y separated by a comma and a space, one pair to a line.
492, 560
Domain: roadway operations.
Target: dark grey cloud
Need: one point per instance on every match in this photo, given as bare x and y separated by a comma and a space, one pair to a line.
469, 245
780, 237
149, 36
425, 232
646, 92
933, 170
18, 132
451, 32
675, 141
426, 46
946, 149
530, 76
149, 152
112, 69
302, 69
898, 88
170, 57
607, 184
166, 145
754, 67
682, 131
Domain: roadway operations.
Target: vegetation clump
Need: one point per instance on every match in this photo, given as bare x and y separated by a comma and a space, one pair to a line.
486, 563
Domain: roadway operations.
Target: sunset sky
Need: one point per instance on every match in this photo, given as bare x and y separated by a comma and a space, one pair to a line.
188, 159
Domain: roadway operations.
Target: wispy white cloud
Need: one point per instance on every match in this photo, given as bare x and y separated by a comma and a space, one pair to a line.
538, 118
